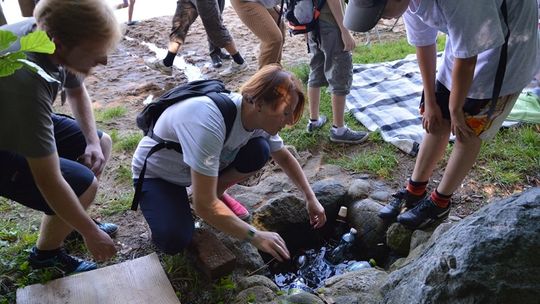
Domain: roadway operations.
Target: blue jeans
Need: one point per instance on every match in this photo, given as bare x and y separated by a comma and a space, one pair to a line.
165, 205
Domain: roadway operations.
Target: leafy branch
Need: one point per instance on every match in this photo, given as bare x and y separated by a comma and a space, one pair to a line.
11, 61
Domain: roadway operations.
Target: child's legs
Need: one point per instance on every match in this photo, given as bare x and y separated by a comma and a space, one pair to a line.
250, 159
431, 151
316, 78
213, 25
263, 23
165, 207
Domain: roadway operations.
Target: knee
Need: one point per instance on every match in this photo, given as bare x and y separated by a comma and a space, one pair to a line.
253, 156
170, 241
89, 194
105, 141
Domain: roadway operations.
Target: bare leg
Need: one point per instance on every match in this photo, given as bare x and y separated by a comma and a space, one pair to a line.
338, 109
53, 230
231, 48
130, 10
106, 147
431, 151
460, 163
314, 96
174, 47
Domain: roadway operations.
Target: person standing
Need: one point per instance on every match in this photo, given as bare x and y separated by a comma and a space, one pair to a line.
461, 98
262, 17
331, 65
186, 13
50, 162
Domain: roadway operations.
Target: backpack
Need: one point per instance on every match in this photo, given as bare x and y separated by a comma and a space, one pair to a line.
302, 16
147, 118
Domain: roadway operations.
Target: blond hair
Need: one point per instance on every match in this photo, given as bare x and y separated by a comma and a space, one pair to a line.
273, 85
72, 22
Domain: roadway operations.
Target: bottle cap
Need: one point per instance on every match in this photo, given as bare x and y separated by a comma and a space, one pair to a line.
342, 211
353, 231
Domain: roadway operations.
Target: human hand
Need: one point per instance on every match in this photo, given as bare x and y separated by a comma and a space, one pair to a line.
272, 243
432, 118
93, 158
100, 245
459, 126
317, 216
348, 41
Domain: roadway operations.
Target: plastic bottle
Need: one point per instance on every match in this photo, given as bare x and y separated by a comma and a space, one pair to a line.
341, 225
338, 254
361, 265
298, 286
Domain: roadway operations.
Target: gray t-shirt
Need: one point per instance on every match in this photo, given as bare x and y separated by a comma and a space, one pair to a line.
26, 102
197, 124
478, 28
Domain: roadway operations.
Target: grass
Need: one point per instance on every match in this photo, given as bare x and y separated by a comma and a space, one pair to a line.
117, 205
127, 142
109, 114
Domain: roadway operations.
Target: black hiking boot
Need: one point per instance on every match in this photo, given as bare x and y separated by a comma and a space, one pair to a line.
423, 214
402, 198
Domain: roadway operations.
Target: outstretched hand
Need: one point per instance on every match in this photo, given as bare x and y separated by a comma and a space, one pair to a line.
272, 243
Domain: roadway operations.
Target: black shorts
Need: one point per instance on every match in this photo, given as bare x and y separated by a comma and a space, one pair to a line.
17, 182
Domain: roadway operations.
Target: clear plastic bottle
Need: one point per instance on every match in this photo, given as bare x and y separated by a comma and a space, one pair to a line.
338, 254
361, 265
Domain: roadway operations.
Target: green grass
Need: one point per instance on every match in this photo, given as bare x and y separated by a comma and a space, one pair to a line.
510, 156
117, 205
128, 142
388, 51
380, 160
123, 174
110, 113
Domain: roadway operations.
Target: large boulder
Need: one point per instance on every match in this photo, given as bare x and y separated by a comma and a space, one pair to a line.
492, 256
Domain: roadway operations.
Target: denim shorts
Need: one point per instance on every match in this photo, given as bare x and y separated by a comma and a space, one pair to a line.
330, 65
17, 182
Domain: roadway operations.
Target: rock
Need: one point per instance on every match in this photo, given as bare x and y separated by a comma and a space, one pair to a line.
359, 189
280, 212
363, 216
418, 238
490, 256
302, 298
214, 259
255, 294
256, 280
360, 286
381, 195
398, 238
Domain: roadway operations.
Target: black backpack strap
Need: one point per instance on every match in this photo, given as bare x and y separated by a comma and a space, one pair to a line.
228, 110
501, 69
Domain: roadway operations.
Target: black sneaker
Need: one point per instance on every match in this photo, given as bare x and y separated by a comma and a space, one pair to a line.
216, 61
63, 261
402, 198
109, 228
424, 214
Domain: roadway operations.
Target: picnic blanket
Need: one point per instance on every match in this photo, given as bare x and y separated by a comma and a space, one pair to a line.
385, 96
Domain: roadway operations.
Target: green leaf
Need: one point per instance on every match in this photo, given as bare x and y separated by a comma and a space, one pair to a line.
38, 42
6, 39
36, 68
9, 64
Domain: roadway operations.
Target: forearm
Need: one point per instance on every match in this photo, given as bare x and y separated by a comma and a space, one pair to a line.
292, 169
58, 194
218, 215
81, 106
427, 63
462, 76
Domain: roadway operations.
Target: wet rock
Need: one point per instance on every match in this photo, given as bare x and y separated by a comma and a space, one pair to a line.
256, 280
281, 212
255, 294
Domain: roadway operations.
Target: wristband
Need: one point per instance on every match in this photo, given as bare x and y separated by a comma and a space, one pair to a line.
250, 234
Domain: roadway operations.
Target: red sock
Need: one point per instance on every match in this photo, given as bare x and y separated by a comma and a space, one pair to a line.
416, 188
440, 200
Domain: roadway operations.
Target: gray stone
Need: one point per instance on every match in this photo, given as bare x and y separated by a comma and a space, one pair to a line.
398, 238
363, 216
256, 280
489, 257
255, 294
331, 194
302, 298
418, 238
381, 195
360, 286
281, 212
359, 189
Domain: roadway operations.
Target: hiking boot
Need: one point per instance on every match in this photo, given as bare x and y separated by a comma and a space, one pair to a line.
314, 125
63, 261
423, 214
349, 137
402, 198
157, 65
234, 68
108, 228
236, 207
216, 61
